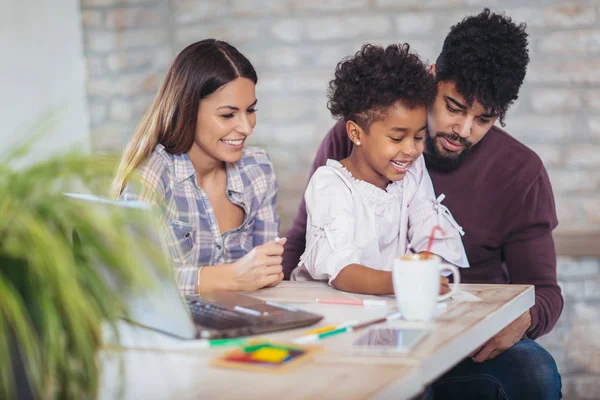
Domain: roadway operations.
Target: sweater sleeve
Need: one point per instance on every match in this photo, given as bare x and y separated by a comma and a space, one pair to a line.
335, 146
530, 255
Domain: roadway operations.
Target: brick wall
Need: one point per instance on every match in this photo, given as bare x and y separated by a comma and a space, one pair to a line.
574, 342
295, 44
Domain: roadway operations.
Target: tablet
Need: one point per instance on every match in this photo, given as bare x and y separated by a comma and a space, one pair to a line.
389, 340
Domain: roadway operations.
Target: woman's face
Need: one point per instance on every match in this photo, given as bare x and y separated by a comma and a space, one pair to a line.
395, 142
225, 119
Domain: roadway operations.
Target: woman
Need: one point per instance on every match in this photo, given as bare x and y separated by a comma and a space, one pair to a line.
218, 197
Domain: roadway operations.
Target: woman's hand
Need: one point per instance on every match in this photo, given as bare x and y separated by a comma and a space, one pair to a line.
277, 282
261, 267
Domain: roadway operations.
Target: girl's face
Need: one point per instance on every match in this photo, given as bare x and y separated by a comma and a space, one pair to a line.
225, 119
394, 142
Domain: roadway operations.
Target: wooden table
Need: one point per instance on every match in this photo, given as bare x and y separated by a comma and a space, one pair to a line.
158, 367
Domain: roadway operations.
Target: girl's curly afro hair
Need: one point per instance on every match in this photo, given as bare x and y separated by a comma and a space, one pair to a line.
486, 56
374, 79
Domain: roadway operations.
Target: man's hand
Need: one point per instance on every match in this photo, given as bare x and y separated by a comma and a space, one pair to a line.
504, 340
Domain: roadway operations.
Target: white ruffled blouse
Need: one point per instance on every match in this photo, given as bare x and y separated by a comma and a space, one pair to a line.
351, 221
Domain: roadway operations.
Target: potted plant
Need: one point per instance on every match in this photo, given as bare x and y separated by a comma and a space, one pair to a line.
54, 301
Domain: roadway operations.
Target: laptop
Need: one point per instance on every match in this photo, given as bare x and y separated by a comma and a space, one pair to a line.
162, 308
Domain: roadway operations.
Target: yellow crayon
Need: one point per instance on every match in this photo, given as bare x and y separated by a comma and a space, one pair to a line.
270, 355
321, 330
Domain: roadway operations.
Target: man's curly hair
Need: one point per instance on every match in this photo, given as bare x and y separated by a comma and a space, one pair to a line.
486, 56
375, 78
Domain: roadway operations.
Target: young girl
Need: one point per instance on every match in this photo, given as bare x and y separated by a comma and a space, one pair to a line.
218, 196
379, 202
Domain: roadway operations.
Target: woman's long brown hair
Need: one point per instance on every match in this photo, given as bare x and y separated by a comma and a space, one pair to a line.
197, 72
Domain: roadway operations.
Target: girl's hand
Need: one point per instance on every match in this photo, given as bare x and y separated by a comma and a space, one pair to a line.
444, 285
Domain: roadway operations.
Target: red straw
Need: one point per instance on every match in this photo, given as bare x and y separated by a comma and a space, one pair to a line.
430, 243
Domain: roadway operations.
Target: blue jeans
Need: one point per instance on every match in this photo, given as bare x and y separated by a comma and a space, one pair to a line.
525, 371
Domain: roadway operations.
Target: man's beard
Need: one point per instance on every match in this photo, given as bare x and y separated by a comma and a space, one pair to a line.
444, 161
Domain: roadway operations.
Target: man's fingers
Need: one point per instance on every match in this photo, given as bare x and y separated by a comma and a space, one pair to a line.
475, 351
494, 354
484, 353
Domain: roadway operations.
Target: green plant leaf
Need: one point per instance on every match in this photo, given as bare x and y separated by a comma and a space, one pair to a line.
54, 299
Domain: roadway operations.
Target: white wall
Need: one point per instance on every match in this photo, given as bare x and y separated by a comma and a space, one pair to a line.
42, 72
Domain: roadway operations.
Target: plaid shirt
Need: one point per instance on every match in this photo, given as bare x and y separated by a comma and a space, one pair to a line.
192, 234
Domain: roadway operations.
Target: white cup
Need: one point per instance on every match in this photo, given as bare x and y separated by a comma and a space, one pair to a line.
417, 283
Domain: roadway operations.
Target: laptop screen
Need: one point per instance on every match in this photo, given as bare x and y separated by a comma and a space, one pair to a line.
155, 303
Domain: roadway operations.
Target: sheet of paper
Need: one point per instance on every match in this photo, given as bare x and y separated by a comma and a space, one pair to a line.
464, 296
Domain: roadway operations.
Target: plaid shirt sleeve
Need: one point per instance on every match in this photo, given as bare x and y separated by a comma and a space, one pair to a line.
186, 278
266, 224
149, 185
137, 191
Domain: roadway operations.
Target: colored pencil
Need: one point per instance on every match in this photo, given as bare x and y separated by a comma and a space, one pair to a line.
350, 328
353, 302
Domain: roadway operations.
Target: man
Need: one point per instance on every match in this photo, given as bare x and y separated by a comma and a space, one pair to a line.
498, 190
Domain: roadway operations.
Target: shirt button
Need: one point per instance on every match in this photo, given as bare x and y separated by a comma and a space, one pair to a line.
218, 247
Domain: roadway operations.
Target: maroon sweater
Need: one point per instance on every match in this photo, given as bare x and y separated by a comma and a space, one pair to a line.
501, 196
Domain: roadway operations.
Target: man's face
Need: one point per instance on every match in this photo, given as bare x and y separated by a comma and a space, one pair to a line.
453, 127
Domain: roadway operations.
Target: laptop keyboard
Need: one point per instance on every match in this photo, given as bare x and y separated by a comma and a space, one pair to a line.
215, 317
